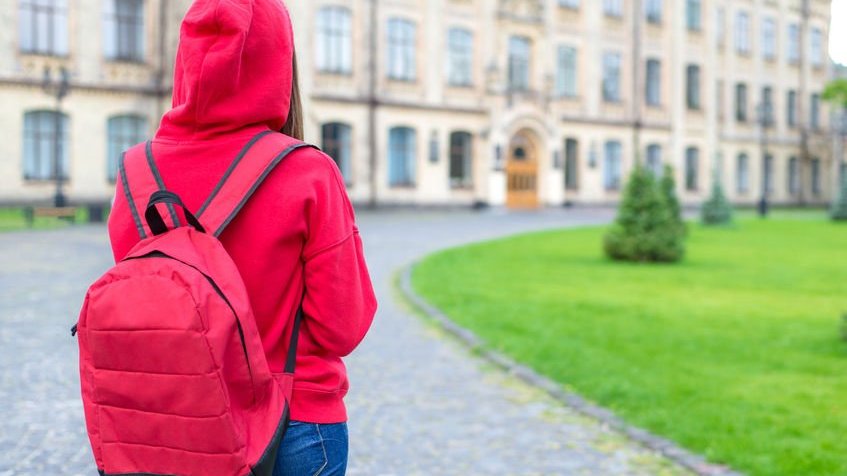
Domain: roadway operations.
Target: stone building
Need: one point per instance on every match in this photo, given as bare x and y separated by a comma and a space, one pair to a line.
455, 102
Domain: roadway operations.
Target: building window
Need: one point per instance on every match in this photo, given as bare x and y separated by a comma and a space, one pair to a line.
767, 110
692, 168
461, 160
41, 128
571, 164
519, 63
816, 176
654, 159
692, 86
654, 82
769, 39
43, 27
572, 4
815, 112
741, 102
816, 46
742, 33
612, 77
693, 14
402, 156
793, 176
612, 167
613, 8
460, 57
742, 174
794, 43
333, 41
401, 50
720, 99
566, 72
123, 34
336, 141
653, 11
791, 106
768, 171
123, 132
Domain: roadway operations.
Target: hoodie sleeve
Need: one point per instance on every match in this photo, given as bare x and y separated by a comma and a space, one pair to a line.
340, 304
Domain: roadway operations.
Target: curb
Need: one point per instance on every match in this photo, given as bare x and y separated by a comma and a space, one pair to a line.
693, 462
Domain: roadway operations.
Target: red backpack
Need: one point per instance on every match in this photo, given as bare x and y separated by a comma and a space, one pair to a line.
173, 374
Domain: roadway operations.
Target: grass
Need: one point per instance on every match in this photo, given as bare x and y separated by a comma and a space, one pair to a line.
735, 353
13, 219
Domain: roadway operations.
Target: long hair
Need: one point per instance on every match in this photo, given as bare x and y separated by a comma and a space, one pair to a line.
294, 124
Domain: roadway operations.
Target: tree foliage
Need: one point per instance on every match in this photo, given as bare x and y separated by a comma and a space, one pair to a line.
647, 228
717, 211
836, 93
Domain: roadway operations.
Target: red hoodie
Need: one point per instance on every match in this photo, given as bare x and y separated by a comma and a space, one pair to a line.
232, 79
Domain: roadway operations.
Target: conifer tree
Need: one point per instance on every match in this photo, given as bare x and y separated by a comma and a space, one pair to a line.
645, 229
717, 211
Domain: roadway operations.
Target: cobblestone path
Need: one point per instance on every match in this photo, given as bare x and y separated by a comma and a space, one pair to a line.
419, 403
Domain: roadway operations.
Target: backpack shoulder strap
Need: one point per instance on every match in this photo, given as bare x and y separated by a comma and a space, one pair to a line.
140, 179
247, 172
244, 176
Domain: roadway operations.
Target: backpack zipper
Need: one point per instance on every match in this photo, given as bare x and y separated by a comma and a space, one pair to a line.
159, 254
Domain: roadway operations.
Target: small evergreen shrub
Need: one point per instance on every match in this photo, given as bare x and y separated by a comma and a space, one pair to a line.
668, 189
839, 206
646, 229
717, 211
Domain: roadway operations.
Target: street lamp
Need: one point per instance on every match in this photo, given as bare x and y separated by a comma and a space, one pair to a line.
765, 116
58, 89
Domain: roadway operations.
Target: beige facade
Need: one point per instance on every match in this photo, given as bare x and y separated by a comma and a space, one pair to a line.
518, 153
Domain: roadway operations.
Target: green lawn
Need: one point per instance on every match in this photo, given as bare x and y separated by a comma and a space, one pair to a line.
12, 219
734, 354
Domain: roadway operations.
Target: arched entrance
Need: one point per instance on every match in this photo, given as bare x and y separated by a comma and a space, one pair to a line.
522, 171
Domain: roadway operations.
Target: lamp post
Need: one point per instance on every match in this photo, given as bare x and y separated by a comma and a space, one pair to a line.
765, 113
58, 89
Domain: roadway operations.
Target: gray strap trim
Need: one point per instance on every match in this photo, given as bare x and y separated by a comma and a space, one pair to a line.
156, 175
230, 170
259, 181
129, 198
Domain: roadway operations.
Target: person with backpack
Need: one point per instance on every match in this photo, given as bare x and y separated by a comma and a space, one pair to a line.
240, 281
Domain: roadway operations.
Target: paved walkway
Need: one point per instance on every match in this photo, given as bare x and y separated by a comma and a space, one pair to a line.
419, 403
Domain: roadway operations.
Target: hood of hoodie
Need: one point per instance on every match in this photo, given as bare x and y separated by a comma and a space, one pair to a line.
233, 69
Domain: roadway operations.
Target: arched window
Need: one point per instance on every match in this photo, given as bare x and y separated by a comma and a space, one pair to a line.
333, 43
654, 159
460, 57
793, 176
124, 132
461, 160
402, 147
402, 64
692, 169
43, 27
742, 173
612, 165
41, 131
520, 59
123, 30
336, 142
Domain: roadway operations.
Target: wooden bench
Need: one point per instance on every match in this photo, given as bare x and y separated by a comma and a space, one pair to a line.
63, 213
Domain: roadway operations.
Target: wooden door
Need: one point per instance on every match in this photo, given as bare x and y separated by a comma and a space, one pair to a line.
522, 175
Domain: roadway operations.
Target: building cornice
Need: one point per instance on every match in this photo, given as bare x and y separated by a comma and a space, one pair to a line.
146, 90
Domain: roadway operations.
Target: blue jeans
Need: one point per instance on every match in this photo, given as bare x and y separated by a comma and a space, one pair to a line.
309, 449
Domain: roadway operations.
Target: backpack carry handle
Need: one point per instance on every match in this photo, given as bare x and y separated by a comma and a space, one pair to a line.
154, 218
